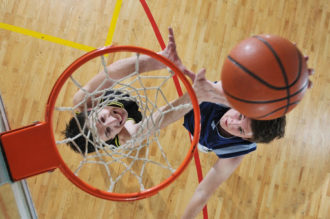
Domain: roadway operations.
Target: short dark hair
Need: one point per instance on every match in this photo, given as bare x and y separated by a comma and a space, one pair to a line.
264, 131
72, 129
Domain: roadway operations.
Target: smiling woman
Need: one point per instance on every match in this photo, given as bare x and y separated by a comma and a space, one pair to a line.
113, 122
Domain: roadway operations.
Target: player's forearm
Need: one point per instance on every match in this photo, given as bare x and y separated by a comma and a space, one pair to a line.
168, 114
220, 172
176, 110
196, 204
116, 71
202, 194
124, 67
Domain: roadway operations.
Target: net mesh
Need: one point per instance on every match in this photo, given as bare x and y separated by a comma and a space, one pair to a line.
128, 167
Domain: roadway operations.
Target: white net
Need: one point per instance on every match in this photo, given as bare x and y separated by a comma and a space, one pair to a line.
138, 163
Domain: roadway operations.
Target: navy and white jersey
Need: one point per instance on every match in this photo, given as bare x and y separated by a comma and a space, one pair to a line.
210, 137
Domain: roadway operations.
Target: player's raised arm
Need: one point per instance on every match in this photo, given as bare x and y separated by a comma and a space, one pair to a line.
124, 67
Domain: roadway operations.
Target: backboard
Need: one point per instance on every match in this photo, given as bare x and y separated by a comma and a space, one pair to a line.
15, 198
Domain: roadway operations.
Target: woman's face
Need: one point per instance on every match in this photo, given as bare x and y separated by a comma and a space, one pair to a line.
109, 121
236, 124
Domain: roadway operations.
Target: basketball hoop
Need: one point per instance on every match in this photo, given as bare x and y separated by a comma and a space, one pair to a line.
34, 149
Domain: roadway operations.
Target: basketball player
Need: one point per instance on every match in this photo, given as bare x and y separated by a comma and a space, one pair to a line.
227, 133
230, 135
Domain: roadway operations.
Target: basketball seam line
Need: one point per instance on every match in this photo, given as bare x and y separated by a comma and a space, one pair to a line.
293, 103
253, 75
281, 66
263, 81
266, 101
299, 69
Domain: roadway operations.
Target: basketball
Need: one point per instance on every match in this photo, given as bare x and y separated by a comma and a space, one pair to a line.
264, 77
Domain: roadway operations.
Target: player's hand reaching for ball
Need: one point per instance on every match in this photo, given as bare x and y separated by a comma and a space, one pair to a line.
206, 90
170, 51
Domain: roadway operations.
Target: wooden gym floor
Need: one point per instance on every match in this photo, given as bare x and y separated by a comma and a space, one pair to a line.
288, 178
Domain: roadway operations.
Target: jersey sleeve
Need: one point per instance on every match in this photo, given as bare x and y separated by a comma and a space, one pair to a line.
189, 122
234, 150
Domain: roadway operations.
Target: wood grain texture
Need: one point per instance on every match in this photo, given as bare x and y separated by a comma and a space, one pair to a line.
288, 178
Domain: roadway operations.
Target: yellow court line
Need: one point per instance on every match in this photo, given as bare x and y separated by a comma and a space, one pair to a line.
45, 37
113, 23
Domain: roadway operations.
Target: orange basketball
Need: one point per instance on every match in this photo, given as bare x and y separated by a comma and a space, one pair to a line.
264, 77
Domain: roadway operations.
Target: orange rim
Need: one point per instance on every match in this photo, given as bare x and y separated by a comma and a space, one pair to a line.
75, 179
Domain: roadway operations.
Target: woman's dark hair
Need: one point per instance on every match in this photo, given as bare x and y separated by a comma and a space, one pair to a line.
72, 131
264, 131
111, 98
